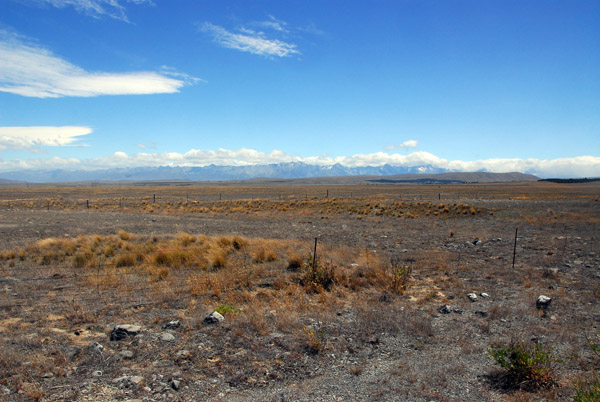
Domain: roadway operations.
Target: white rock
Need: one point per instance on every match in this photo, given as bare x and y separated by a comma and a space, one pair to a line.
167, 337
184, 354
543, 301
126, 354
472, 297
95, 346
136, 379
133, 329
213, 318
483, 294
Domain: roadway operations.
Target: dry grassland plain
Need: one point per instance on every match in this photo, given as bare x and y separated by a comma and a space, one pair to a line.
363, 321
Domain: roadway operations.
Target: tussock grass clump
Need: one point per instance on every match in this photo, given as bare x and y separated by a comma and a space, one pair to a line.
264, 252
123, 235
83, 260
294, 262
185, 239
126, 260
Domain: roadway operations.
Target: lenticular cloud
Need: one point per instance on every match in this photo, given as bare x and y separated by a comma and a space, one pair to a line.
29, 70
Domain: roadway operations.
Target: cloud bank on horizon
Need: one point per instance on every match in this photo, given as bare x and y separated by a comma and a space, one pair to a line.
582, 166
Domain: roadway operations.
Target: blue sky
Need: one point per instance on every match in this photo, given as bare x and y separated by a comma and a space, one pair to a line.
464, 85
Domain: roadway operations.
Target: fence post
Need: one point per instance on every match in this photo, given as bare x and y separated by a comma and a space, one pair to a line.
515, 248
87, 204
314, 256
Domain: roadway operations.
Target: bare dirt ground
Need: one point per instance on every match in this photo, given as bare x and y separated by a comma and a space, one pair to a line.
66, 281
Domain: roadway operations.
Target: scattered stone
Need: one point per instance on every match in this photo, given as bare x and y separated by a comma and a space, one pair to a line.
175, 384
120, 332
447, 309
476, 241
554, 286
543, 302
174, 324
5, 390
126, 354
97, 373
484, 295
167, 337
136, 379
213, 318
96, 347
184, 354
482, 314
48, 375
120, 379
472, 297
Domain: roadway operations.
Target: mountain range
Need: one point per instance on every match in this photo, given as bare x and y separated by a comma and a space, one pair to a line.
293, 170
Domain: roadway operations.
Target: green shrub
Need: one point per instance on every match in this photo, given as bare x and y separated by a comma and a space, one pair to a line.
528, 366
225, 309
318, 276
588, 390
400, 275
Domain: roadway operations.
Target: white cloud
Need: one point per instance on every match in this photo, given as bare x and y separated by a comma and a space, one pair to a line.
96, 8
273, 23
582, 166
29, 70
248, 40
32, 138
404, 145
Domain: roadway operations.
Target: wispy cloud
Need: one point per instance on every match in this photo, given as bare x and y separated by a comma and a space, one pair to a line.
30, 70
251, 41
404, 145
581, 166
94, 8
273, 23
32, 138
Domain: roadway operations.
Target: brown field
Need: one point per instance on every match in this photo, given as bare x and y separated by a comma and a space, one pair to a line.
361, 323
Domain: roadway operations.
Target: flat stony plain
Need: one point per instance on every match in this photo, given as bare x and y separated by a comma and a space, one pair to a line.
362, 324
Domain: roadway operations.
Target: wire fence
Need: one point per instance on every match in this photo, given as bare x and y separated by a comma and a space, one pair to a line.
99, 288
198, 203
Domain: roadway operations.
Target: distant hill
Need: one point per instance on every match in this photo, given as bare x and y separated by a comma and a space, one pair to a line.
279, 171
584, 180
6, 181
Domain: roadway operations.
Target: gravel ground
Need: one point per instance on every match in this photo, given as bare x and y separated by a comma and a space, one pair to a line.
396, 349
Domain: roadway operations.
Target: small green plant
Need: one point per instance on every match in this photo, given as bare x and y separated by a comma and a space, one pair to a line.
588, 390
315, 339
318, 276
400, 275
528, 366
225, 309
